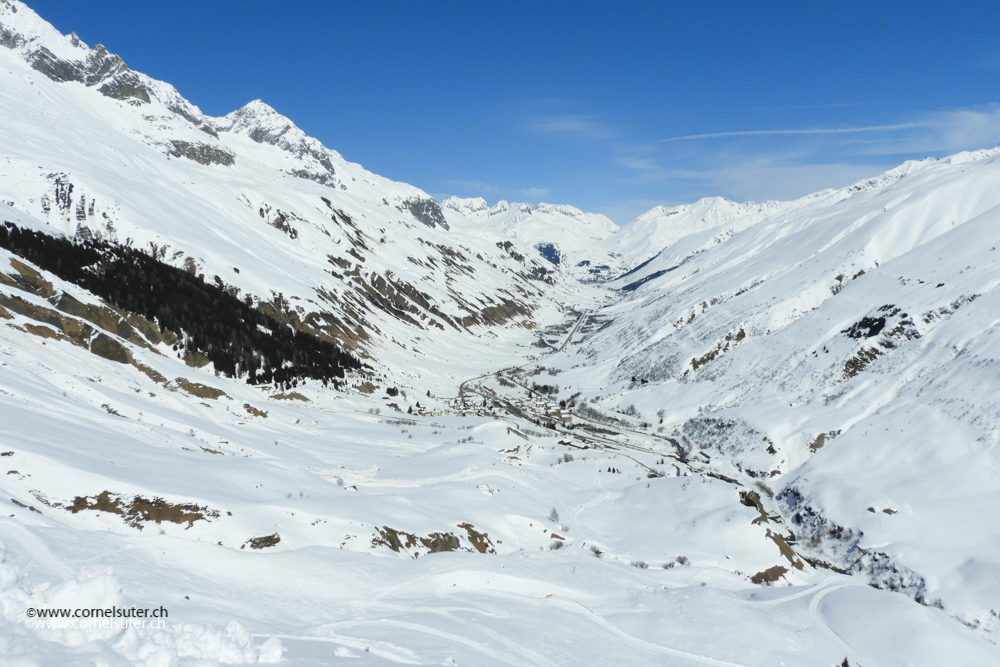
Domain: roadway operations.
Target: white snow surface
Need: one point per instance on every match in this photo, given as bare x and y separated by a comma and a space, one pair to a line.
715, 347
571, 239
662, 226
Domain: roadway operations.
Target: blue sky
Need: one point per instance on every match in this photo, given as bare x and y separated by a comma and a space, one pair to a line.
613, 107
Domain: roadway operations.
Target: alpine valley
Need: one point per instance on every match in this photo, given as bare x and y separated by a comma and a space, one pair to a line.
319, 416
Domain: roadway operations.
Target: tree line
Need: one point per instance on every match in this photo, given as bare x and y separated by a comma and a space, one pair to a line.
210, 319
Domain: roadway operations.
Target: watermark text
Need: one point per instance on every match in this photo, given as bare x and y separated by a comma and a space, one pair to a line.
96, 618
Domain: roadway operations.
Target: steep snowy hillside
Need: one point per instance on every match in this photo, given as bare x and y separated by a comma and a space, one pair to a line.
839, 359
661, 227
318, 418
251, 201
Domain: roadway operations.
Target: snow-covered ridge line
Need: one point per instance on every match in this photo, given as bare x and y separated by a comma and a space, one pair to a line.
715, 218
66, 58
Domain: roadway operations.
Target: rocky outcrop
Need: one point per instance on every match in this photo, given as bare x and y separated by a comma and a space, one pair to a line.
263, 124
201, 153
100, 69
426, 211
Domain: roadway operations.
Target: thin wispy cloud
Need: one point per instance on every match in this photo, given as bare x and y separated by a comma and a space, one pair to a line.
966, 127
765, 133
789, 163
476, 186
772, 177
758, 164
941, 132
577, 125
639, 163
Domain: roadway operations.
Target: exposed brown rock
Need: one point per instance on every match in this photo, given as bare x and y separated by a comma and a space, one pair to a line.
770, 575
199, 390
109, 348
254, 411
196, 359
785, 550
138, 510
292, 395
481, 541
44, 332
263, 542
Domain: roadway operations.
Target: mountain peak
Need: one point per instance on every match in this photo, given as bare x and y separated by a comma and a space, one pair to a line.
465, 206
513, 215
258, 115
258, 108
265, 125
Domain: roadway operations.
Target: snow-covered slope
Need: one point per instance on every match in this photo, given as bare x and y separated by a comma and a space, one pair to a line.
566, 237
718, 217
660, 227
783, 447
839, 358
319, 241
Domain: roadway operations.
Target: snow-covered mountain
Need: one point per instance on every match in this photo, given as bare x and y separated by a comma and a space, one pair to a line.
316, 240
317, 416
661, 226
566, 237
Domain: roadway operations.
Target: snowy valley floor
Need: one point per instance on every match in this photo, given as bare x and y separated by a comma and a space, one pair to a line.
345, 506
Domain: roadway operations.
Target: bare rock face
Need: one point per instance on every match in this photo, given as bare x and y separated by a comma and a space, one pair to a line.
201, 153
100, 69
427, 212
64, 58
10, 39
